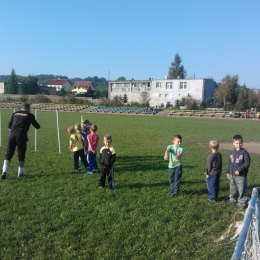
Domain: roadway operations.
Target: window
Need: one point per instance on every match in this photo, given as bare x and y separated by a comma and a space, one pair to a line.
158, 84
183, 85
168, 85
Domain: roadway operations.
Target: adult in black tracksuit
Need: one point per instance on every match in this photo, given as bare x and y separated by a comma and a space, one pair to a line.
18, 125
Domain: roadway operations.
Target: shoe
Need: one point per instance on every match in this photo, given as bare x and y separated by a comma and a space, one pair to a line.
20, 175
101, 187
211, 200
230, 202
172, 193
95, 170
88, 172
3, 176
239, 207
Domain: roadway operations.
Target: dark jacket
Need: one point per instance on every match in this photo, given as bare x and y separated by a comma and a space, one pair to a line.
107, 156
238, 161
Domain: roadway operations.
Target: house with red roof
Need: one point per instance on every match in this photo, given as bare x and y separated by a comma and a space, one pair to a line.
59, 84
83, 87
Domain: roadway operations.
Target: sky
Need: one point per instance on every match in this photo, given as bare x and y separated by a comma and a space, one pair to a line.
131, 38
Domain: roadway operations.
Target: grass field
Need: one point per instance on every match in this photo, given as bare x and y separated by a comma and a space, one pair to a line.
54, 213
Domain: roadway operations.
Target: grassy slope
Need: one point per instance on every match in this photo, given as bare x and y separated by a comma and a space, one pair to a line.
54, 213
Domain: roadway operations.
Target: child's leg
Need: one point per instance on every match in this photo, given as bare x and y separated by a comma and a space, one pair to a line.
217, 185
76, 160
90, 159
110, 178
171, 178
211, 183
83, 158
102, 179
95, 162
233, 189
177, 179
242, 191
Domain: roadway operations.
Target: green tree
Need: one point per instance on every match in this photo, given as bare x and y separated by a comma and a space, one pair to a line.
242, 99
177, 70
12, 84
227, 91
125, 98
122, 78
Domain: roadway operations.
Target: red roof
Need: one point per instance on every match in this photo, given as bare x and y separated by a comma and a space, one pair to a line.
82, 84
57, 82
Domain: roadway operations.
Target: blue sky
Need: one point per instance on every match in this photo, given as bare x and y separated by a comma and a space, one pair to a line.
132, 38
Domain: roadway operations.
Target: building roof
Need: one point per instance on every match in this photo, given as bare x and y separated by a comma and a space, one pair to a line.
57, 81
82, 84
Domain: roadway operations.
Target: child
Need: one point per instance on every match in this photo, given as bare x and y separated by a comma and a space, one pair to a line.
213, 170
174, 154
84, 142
76, 146
238, 164
93, 140
107, 159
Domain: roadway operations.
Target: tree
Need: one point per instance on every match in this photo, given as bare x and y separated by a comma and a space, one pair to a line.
12, 83
125, 98
29, 86
122, 78
227, 91
242, 99
177, 70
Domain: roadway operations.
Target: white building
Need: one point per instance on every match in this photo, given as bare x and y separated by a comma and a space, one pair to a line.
2, 87
162, 91
59, 84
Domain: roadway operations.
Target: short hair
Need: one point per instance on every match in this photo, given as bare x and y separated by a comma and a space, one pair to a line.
108, 137
237, 137
71, 130
214, 144
77, 127
177, 137
93, 128
26, 106
86, 121
84, 128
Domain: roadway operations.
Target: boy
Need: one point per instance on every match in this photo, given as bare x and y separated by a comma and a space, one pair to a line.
174, 154
238, 164
76, 146
107, 159
93, 140
213, 170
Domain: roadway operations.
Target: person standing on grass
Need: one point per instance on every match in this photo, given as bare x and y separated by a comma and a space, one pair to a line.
213, 171
76, 146
238, 165
19, 126
93, 140
174, 154
107, 159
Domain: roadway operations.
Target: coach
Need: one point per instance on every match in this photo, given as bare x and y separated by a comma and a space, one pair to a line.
18, 125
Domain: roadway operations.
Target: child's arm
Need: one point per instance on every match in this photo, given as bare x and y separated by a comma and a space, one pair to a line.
71, 146
245, 165
89, 143
96, 148
166, 154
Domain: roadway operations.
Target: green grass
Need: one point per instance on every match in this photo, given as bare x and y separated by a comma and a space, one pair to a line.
54, 213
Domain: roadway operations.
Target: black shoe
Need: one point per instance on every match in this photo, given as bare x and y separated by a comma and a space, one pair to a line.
20, 175
3, 176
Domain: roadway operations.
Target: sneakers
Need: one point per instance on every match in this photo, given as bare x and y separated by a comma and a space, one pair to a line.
230, 202
211, 200
101, 187
3, 176
95, 170
88, 172
172, 193
20, 175
239, 207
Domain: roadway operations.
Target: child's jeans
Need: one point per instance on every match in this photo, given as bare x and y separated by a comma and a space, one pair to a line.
175, 178
92, 161
213, 186
238, 190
